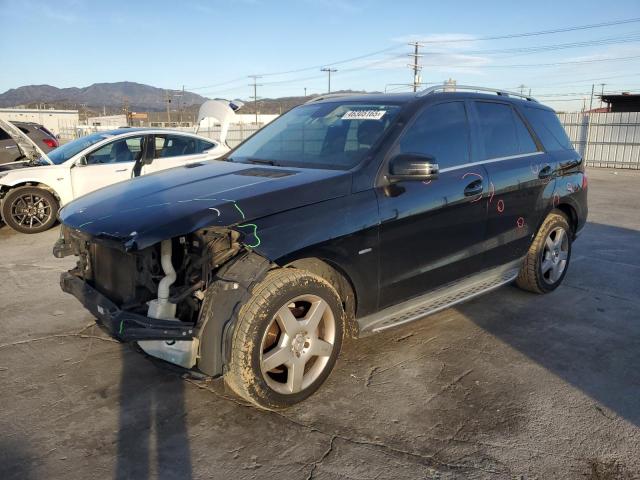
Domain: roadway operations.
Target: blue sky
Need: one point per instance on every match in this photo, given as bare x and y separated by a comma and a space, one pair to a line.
212, 46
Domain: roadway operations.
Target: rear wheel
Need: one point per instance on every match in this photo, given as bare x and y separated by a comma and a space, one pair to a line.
547, 261
29, 209
287, 339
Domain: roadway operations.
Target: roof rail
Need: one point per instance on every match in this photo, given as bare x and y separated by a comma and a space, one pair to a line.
445, 87
332, 95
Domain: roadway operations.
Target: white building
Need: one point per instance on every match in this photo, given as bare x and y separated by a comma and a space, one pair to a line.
114, 121
57, 121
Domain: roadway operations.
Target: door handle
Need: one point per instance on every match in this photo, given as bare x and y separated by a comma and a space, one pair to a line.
474, 188
545, 172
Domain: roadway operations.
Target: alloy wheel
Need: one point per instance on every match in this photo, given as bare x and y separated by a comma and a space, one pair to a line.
297, 344
555, 255
31, 210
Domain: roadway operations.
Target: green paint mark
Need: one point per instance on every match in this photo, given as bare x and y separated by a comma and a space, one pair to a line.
121, 327
239, 209
254, 233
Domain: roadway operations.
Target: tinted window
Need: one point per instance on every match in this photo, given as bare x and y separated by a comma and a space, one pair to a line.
175, 146
502, 131
124, 150
203, 146
68, 150
548, 128
440, 131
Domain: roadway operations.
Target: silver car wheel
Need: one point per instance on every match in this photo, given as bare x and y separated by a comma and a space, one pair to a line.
555, 255
297, 344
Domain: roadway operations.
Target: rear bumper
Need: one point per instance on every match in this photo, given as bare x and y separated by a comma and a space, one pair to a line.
122, 325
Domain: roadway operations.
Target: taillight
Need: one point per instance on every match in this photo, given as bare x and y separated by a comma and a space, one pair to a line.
584, 181
50, 142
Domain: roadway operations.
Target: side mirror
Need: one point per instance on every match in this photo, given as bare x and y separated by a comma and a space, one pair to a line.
412, 166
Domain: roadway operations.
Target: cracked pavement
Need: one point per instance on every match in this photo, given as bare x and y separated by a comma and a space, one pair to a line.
508, 385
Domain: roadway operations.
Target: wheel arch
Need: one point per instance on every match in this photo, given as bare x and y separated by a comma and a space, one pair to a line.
5, 189
572, 215
338, 278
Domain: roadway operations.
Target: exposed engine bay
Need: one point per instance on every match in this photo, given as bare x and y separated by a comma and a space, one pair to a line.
166, 281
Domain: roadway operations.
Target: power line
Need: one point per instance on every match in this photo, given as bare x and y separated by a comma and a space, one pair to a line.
533, 34
555, 64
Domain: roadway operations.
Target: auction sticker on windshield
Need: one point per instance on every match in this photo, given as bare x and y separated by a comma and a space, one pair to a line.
363, 115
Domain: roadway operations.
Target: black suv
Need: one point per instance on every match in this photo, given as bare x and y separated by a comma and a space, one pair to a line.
346, 216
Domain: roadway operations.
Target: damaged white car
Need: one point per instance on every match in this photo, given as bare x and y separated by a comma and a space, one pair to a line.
32, 191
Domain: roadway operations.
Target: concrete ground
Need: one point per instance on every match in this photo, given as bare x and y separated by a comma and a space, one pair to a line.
510, 385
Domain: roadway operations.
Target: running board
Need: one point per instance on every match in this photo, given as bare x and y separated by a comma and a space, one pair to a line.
439, 299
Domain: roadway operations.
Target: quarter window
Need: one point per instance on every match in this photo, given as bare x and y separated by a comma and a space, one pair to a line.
440, 131
502, 131
549, 129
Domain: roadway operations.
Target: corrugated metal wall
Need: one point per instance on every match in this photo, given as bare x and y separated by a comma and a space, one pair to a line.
606, 139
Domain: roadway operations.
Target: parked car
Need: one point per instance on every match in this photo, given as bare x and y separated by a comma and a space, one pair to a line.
9, 149
32, 192
347, 215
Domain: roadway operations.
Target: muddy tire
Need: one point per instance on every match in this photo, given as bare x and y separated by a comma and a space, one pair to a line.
548, 258
286, 339
30, 209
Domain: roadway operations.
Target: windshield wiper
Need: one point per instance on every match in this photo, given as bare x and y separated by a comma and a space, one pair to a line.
260, 161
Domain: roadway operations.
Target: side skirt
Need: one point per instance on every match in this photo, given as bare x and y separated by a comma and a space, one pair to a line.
439, 299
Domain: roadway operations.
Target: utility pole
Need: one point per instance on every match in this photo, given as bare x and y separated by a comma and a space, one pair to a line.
167, 99
522, 87
181, 104
125, 108
329, 70
593, 86
255, 86
305, 92
415, 66
601, 92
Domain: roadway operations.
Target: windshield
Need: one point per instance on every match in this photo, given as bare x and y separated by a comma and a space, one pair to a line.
323, 135
65, 152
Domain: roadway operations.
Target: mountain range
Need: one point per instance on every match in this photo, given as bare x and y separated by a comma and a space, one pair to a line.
99, 96
111, 97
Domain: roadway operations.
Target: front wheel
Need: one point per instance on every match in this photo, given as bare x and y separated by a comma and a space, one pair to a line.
547, 261
30, 209
286, 340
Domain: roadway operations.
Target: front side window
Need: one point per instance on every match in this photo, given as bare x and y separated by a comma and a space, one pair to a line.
324, 135
175, 146
119, 151
440, 131
502, 132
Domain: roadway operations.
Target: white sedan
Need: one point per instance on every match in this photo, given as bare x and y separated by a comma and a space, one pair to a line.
32, 192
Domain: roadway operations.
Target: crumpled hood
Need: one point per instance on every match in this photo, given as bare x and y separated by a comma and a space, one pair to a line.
143, 211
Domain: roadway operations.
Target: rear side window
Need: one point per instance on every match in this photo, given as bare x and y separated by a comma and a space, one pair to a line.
503, 133
440, 131
175, 146
548, 128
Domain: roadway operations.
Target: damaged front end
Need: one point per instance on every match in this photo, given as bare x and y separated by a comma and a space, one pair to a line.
155, 295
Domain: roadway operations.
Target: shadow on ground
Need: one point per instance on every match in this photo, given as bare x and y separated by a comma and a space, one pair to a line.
587, 332
152, 438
